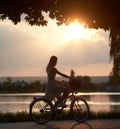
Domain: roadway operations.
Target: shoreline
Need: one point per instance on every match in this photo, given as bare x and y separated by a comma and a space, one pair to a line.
65, 115
79, 93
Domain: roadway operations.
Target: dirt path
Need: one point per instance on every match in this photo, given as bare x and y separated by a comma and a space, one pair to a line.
91, 124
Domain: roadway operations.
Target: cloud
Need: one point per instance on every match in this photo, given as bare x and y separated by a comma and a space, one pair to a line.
87, 52
25, 50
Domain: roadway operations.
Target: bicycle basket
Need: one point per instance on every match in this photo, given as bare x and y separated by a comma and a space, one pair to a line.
75, 85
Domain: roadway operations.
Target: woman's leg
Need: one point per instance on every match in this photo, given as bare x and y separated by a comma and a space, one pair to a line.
62, 97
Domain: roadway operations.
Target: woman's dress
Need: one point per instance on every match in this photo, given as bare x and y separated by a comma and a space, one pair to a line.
53, 88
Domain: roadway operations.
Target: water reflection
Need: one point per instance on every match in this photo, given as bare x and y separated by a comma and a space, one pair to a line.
97, 101
114, 100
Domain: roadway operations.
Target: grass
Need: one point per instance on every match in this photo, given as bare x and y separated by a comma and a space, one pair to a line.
105, 115
14, 117
24, 116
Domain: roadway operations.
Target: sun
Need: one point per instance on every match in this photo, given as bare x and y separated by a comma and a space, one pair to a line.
75, 31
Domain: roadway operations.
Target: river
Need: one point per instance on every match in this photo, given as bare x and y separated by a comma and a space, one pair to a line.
98, 101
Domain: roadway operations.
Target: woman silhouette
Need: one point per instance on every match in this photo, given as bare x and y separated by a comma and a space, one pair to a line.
53, 88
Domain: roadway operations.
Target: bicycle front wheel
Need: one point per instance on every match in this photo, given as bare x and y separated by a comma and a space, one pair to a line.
79, 109
41, 110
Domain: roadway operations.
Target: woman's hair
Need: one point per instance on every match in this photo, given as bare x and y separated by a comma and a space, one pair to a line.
52, 62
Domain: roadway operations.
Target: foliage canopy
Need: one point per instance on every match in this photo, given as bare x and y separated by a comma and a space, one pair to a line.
95, 13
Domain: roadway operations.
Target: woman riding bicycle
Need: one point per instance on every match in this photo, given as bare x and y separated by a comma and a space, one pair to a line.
53, 88
42, 109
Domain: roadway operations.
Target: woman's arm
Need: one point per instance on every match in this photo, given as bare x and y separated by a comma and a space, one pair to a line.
64, 75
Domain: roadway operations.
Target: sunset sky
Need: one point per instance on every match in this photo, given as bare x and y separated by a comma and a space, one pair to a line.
25, 50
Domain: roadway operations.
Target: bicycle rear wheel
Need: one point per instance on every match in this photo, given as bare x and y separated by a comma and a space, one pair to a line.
41, 110
79, 109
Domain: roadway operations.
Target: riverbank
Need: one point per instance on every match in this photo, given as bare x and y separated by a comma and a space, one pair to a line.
25, 117
22, 85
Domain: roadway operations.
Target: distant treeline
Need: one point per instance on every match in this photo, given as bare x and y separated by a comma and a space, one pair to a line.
34, 87
21, 86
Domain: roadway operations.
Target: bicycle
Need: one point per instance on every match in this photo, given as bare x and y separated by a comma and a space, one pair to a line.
42, 109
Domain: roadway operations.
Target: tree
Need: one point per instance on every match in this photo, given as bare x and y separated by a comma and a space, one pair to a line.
115, 54
94, 13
